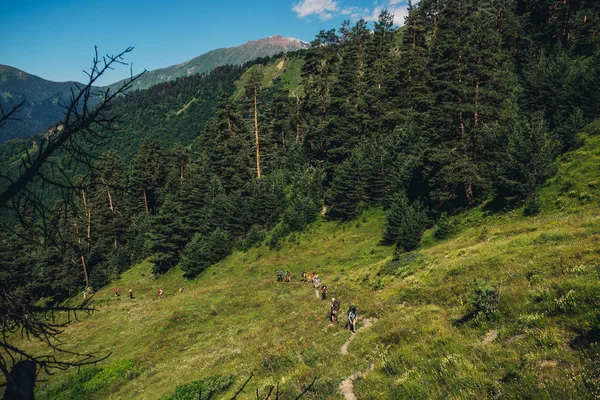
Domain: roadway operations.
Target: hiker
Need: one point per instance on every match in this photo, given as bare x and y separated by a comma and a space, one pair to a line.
180, 289
116, 292
304, 276
312, 278
159, 293
317, 283
352, 315
130, 294
288, 276
84, 295
279, 276
335, 309
324, 292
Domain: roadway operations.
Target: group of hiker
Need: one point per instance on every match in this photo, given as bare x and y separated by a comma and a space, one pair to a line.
116, 292
321, 292
288, 276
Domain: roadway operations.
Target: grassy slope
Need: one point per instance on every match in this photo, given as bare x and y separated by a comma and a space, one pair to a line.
235, 319
287, 68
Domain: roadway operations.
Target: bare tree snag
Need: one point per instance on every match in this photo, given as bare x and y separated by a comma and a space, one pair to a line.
85, 123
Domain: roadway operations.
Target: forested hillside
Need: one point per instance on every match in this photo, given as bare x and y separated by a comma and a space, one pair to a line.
41, 99
468, 105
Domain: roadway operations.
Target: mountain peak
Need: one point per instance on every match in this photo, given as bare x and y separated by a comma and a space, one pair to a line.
238, 55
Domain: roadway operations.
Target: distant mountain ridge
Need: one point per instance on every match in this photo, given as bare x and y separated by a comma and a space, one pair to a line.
42, 100
224, 56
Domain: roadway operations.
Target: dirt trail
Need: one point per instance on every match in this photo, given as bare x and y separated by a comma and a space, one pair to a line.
347, 385
367, 322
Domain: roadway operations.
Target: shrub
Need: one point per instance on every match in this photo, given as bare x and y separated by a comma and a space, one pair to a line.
484, 297
533, 205
445, 227
202, 389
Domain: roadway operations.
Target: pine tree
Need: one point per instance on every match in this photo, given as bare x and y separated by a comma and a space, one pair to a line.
380, 77
348, 116
228, 147
318, 75
203, 251
348, 193
406, 223
527, 163
147, 175
166, 238
473, 80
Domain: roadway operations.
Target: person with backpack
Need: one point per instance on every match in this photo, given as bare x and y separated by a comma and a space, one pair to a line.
288, 276
280, 276
352, 315
116, 292
324, 292
335, 309
159, 293
130, 294
317, 283
304, 276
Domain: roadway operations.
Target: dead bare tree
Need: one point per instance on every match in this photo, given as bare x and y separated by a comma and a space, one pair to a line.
87, 121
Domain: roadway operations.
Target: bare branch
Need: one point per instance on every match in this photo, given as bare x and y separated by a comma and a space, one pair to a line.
7, 116
243, 386
78, 121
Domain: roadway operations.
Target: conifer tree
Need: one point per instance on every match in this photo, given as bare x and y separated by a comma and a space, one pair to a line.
348, 116
229, 150
527, 163
203, 251
381, 82
348, 191
406, 223
166, 238
318, 75
147, 175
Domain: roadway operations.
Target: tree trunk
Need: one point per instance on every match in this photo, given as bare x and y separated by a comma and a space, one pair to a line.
476, 119
469, 193
87, 282
89, 225
89, 216
110, 203
145, 203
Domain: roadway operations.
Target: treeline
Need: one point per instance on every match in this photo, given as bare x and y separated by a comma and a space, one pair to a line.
469, 103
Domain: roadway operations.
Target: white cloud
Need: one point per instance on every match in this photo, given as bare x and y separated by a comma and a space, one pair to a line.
400, 13
325, 9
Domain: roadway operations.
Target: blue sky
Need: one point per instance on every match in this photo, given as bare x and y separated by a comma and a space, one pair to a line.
55, 39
